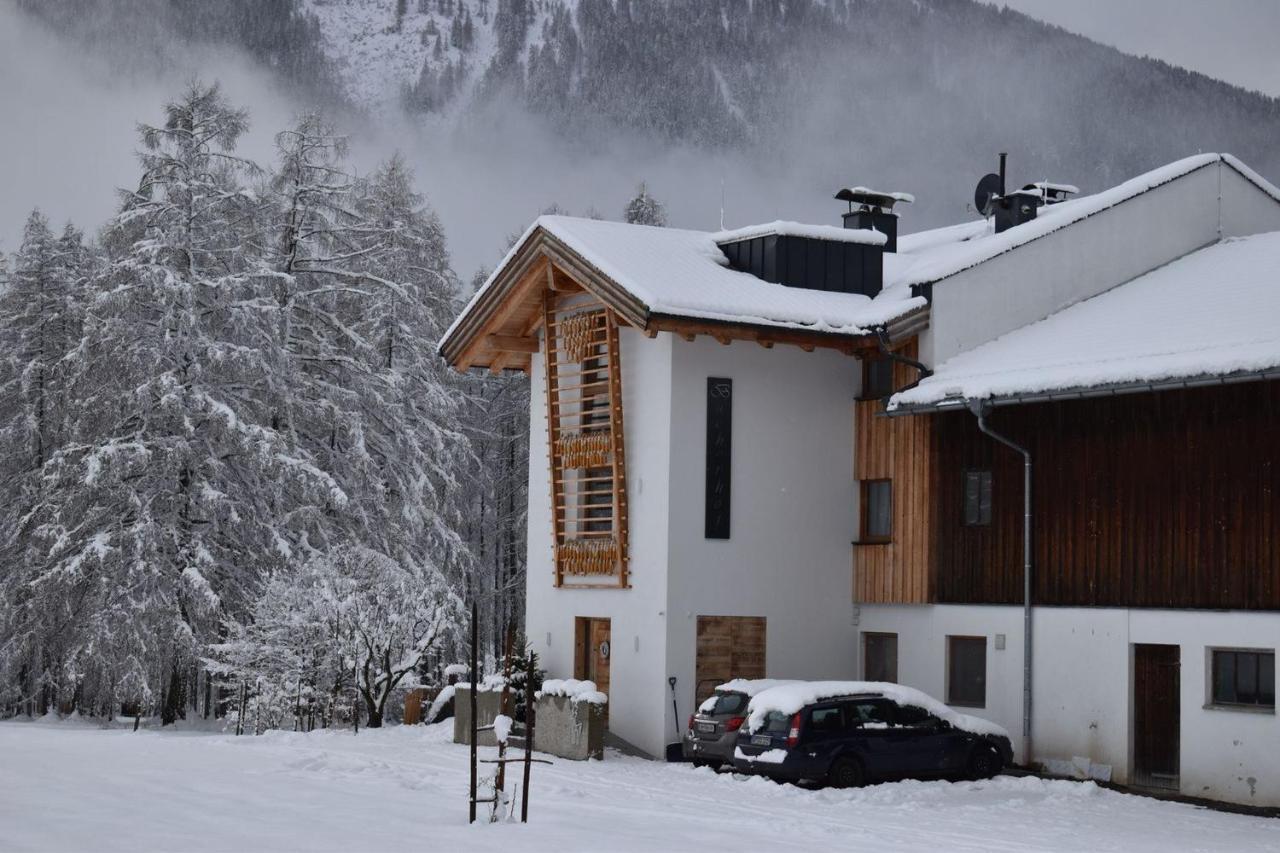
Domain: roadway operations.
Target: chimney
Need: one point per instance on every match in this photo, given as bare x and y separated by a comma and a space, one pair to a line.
873, 210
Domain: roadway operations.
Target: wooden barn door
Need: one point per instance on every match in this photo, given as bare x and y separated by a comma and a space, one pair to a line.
728, 647
592, 654
1157, 706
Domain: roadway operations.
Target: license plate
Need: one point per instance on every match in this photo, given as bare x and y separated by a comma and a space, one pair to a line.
761, 740
706, 727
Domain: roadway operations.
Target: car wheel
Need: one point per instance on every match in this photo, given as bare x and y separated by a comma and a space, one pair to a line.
984, 763
714, 765
845, 773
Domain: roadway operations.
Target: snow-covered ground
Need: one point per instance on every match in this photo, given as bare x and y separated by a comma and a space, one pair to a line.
71, 786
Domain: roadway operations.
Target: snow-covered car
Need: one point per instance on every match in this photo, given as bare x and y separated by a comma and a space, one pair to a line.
712, 732
844, 733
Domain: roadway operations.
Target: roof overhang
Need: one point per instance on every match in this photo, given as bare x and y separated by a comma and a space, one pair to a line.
960, 403
498, 328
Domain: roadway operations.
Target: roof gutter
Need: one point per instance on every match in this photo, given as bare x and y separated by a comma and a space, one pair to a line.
1087, 393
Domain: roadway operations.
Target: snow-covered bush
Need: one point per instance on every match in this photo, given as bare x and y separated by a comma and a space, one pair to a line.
349, 620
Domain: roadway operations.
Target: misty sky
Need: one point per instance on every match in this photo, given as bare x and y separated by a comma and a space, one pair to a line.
1233, 40
68, 134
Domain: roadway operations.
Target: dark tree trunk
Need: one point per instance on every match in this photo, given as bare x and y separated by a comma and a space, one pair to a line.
172, 704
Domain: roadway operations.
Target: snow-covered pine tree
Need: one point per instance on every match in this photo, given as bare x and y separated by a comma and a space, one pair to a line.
171, 500
39, 327
644, 209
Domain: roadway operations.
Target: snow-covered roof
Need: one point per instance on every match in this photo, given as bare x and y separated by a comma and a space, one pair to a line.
790, 698
931, 256
681, 273
1213, 313
864, 236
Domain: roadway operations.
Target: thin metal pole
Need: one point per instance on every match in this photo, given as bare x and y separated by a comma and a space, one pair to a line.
472, 693
528, 736
980, 412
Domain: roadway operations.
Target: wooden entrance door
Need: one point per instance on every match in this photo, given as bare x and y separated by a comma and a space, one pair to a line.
1157, 715
728, 647
593, 651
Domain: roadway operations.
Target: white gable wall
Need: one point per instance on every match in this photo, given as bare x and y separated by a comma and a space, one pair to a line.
793, 508
1246, 209
1076, 262
637, 621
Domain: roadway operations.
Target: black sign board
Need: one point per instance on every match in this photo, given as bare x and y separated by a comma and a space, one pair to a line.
719, 455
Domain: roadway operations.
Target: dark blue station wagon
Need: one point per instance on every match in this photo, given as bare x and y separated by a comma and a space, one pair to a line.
848, 740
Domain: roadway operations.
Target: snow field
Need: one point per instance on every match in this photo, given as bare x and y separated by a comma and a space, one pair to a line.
72, 786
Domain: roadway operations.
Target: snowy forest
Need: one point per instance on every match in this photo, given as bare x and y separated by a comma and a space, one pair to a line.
230, 450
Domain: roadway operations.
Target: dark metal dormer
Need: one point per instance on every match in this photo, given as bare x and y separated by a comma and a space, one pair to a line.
813, 257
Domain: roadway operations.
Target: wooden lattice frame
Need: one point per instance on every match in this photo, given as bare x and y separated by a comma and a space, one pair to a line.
585, 442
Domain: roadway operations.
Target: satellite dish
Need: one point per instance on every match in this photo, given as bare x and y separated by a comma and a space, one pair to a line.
987, 191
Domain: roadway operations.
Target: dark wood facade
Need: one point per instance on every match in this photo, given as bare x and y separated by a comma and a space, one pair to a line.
1168, 499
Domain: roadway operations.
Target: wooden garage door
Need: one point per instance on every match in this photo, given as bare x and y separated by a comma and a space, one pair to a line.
728, 647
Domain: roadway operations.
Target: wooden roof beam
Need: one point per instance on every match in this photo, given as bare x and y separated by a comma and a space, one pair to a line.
512, 343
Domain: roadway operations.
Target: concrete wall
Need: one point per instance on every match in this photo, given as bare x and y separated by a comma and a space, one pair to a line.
1084, 686
793, 508
638, 701
568, 729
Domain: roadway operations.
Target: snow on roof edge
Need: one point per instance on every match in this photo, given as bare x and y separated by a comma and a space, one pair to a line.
782, 228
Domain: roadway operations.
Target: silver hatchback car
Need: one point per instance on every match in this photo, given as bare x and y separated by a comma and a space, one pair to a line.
712, 734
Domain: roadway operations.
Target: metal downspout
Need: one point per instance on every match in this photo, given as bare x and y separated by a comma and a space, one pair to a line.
979, 409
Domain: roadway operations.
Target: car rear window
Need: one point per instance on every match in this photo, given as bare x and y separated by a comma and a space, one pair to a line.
776, 722
730, 703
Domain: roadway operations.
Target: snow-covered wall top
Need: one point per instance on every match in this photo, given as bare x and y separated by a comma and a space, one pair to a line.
1211, 313
790, 698
573, 689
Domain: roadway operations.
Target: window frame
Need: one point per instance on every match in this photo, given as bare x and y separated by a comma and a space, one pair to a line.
1212, 702
987, 479
879, 635
869, 367
864, 536
950, 663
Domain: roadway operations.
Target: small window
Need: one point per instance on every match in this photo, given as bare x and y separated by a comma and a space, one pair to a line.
877, 378
877, 510
880, 657
967, 671
1245, 678
977, 498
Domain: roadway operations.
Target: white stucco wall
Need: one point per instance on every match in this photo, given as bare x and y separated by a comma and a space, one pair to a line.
1071, 264
793, 507
1083, 685
637, 615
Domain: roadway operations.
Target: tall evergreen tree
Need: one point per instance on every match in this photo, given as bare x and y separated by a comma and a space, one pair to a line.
644, 209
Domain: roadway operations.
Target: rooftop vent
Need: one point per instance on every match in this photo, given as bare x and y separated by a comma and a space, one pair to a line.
872, 210
1019, 206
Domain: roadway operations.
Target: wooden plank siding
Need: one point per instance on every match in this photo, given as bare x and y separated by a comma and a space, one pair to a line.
898, 449
1148, 500
728, 647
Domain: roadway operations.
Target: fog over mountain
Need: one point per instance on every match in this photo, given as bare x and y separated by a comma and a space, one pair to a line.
506, 106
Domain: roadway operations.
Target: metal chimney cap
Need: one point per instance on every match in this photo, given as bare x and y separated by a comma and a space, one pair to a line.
873, 198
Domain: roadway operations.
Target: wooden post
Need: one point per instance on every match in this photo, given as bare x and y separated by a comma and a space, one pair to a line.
240, 715
474, 733
528, 737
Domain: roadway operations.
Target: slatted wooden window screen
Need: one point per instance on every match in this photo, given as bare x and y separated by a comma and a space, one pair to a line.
585, 437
